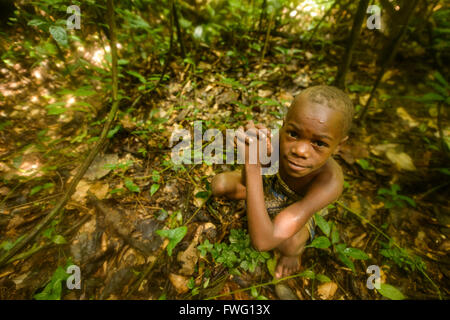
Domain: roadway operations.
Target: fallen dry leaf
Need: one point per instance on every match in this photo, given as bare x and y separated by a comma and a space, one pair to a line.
402, 160
327, 290
445, 246
404, 115
265, 93
358, 241
198, 202
179, 283
97, 168
100, 190
363, 99
189, 257
81, 191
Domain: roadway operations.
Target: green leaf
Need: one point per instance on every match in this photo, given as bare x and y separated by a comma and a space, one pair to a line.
410, 201
59, 34
191, 283
174, 235
35, 190
346, 261
390, 292
431, 97
322, 278
254, 292
205, 247
440, 78
320, 242
155, 176
36, 22
355, 253
335, 235
202, 194
55, 108
309, 274
322, 223
84, 92
137, 75
271, 265
244, 265
53, 289
154, 188
113, 131
131, 186
59, 239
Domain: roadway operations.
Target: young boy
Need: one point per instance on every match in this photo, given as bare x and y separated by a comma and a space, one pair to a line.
280, 207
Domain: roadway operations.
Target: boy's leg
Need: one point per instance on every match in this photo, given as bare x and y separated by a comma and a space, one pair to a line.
291, 251
229, 184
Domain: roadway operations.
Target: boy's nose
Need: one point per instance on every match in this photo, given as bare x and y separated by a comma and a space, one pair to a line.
301, 149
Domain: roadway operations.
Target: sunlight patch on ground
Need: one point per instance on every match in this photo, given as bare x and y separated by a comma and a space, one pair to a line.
70, 101
37, 74
306, 12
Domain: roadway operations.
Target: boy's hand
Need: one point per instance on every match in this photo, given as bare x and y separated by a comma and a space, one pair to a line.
254, 134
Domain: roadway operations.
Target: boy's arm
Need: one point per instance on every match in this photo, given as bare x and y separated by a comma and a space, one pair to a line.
267, 235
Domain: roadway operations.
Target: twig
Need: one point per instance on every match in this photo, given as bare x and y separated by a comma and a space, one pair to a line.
439, 124
149, 268
87, 162
267, 36
196, 211
177, 25
32, 251
169, 54
275, 281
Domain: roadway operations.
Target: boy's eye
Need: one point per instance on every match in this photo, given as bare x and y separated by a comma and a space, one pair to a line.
320, 143
293, 134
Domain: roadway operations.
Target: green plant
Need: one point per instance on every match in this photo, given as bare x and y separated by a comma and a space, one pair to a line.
238, 254
440, 95
52, 234
53, 289
402, 258
365, 164
174, 236
192, 287
390, 292
39, 188
392, 199
332, 238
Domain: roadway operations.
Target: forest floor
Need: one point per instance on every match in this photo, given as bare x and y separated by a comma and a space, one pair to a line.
108, 228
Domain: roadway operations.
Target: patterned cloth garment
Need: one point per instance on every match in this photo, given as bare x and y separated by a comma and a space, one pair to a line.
278, 195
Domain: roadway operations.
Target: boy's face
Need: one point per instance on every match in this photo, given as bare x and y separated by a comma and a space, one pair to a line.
310, 135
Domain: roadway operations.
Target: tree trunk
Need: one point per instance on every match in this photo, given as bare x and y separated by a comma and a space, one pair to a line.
177, 24
391, 48
356, 29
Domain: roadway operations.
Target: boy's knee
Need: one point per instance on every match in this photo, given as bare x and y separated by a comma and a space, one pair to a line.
219, 185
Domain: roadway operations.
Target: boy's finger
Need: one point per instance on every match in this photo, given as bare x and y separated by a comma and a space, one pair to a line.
249, 125
242, 137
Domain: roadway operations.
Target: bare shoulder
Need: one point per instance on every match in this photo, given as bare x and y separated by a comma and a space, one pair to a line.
332, 175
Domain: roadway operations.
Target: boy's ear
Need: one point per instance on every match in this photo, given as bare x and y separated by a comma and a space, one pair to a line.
343, 140
340, 144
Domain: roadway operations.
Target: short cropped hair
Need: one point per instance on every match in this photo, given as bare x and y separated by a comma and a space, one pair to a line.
333, 98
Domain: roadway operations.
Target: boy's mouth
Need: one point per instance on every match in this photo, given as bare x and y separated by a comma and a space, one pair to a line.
296, 166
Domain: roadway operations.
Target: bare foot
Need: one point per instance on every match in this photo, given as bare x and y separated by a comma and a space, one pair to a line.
287, 265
